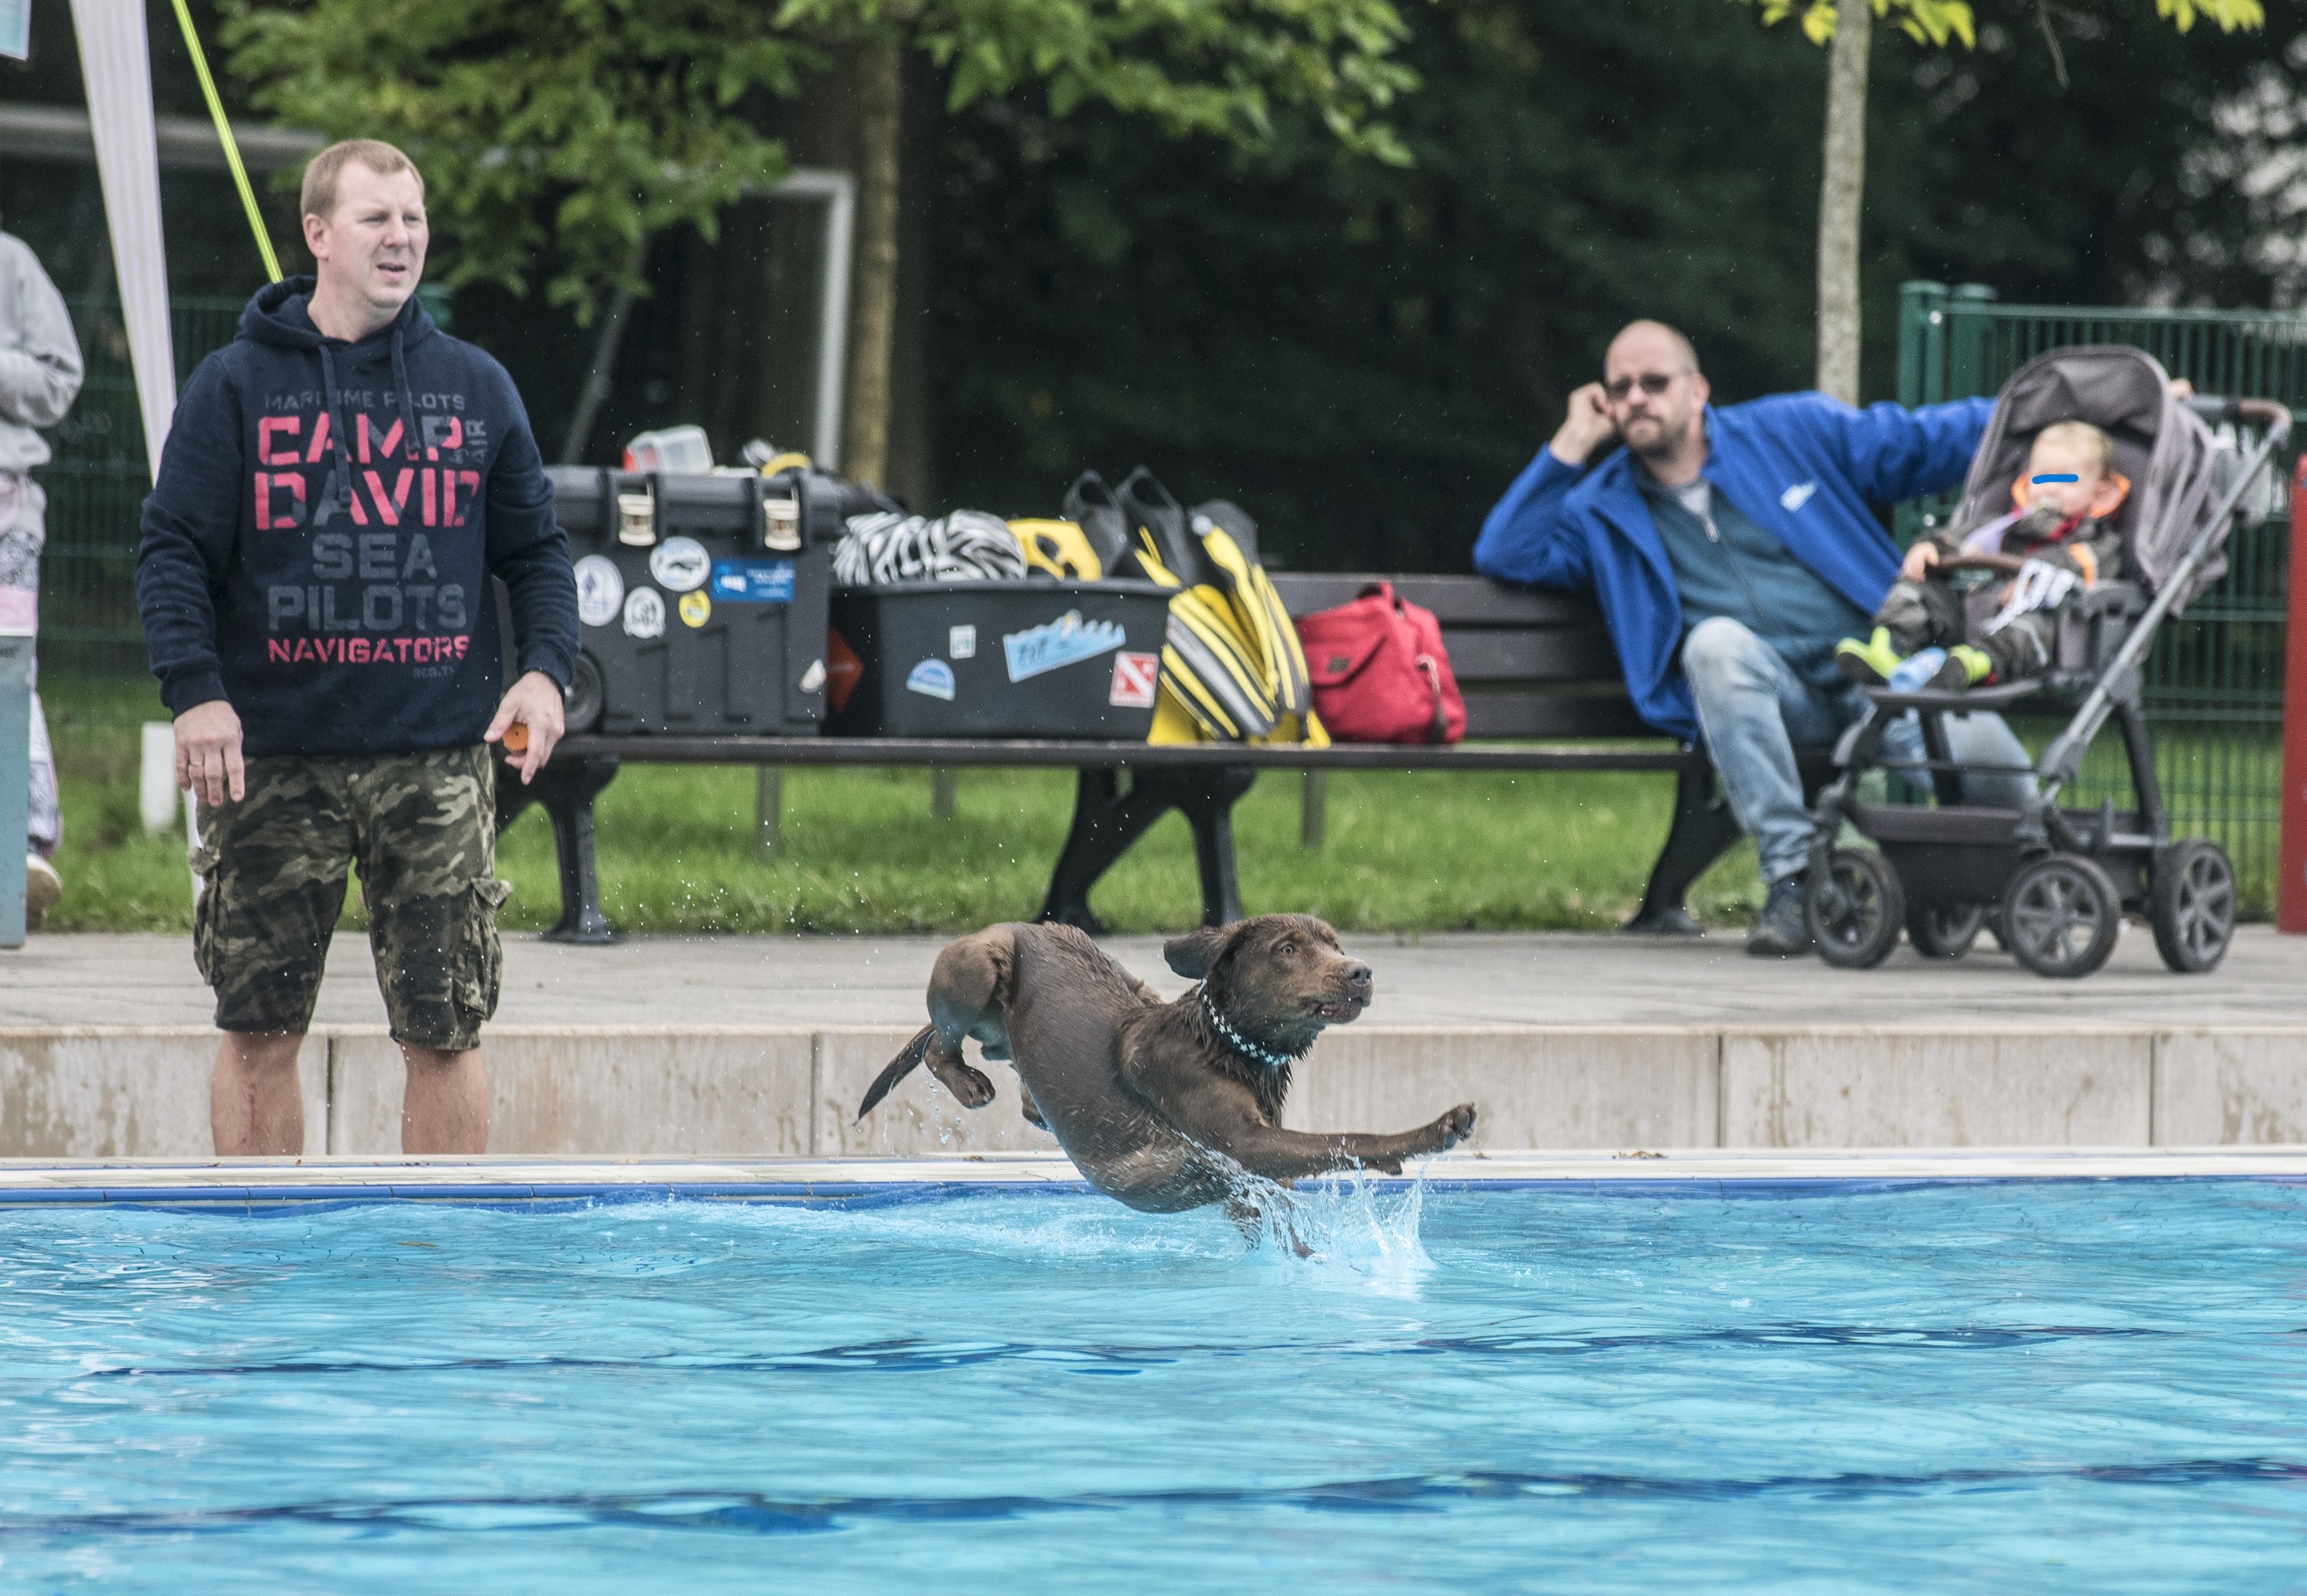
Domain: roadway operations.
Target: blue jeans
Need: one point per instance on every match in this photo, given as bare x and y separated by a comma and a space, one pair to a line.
1754, 706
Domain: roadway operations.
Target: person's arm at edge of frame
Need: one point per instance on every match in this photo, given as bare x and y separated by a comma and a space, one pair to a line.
41, 371
1892, 453
190, 522
527, 549
1525, 537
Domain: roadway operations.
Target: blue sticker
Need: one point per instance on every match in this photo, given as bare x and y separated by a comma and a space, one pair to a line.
932, 678
1063, 642
752, 581
2058, 477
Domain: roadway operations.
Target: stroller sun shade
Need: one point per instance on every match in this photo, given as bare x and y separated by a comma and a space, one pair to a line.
2163, 448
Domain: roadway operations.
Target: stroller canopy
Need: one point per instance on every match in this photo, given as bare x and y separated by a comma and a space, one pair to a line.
2163, 446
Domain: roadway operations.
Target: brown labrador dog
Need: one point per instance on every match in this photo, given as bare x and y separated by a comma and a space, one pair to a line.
1162, 1105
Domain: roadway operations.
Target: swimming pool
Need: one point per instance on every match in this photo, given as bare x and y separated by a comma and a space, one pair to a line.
2040, 1384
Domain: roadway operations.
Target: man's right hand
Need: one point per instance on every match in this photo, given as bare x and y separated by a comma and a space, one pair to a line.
1587, 428
1919, 559
208, 753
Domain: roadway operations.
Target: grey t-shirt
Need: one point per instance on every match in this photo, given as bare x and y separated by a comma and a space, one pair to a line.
1724, 565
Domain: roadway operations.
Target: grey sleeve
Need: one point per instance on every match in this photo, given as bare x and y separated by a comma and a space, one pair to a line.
40, 368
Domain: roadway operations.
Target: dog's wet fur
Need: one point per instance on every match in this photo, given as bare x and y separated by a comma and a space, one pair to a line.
1154, 1105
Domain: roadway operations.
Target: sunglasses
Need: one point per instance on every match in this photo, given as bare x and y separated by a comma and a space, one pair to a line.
1650, 383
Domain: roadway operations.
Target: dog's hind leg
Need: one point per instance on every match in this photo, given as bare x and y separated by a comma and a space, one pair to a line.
968, 996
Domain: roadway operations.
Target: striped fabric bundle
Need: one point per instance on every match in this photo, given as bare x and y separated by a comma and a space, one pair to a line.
885, 548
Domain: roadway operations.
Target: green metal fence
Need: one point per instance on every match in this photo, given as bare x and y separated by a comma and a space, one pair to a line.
2214, 680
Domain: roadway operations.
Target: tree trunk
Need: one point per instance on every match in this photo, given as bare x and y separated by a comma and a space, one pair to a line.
881, 78
1841, 188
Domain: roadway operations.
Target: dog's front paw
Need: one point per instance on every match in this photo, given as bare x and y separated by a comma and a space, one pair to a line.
1451, 1127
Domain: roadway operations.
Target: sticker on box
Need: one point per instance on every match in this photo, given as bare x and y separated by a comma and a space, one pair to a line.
680, 564
752, 581
696, 609
645, 613
932, 678
1135, 678
1066, 641
961, 642
600, 591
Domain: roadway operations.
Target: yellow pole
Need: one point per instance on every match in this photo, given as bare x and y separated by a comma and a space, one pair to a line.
224, 131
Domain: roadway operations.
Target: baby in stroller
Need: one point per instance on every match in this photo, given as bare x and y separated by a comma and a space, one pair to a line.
2061, 531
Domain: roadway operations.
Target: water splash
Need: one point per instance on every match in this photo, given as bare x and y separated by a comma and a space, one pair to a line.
1346, 1231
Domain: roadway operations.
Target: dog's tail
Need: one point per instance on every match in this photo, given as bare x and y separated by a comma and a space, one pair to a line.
908, 1060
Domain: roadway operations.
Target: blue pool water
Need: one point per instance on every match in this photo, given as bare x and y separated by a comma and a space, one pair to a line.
2084, 1386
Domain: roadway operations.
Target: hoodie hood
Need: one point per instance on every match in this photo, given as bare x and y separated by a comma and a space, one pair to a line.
279, 314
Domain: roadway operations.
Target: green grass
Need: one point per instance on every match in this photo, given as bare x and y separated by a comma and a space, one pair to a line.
1553, 851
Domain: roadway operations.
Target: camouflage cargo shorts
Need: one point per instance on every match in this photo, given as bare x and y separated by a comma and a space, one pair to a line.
421, 828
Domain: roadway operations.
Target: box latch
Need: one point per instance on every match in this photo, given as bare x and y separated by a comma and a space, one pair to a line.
780, 522
637, 517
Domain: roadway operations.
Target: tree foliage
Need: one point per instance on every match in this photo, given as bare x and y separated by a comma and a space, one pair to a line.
558, 138
1366, 355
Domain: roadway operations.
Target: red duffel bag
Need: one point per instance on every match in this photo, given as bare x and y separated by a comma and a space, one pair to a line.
1379, 671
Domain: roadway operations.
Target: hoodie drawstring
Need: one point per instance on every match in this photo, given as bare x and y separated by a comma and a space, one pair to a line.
408, 399
337, 428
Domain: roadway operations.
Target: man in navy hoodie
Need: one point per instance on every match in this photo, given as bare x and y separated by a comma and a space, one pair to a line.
1730, 550
338, 485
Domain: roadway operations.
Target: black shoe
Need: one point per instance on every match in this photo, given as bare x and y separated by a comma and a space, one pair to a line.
1780, 932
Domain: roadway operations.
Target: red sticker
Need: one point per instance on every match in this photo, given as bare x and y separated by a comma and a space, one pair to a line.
1135, 677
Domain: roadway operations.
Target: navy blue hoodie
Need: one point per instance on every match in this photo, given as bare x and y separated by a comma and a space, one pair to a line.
318, 547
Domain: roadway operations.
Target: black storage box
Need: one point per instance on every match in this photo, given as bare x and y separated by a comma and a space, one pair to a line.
703, 599
997, 659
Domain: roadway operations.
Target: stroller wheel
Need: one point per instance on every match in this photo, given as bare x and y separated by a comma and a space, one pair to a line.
2063, 913
2191, 904
1944, 930
1855, 909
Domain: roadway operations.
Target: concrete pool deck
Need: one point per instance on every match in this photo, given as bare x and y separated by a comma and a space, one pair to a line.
259, 1184
753, 1047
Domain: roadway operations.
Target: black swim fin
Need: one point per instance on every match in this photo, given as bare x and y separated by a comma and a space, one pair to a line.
1090, 505
1158, 520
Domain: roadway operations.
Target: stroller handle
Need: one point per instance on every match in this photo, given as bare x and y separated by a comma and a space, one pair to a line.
2265, 412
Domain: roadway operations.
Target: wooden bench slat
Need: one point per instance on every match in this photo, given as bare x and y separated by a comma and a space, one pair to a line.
1553, 714
1455, 600
1484, 654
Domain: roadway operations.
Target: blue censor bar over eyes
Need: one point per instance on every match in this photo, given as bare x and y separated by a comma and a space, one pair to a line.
2055, 476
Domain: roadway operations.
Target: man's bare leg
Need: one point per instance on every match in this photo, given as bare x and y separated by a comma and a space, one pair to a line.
446, 1108
255, 1106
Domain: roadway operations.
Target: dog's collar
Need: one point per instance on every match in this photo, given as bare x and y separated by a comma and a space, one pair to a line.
1237, 1041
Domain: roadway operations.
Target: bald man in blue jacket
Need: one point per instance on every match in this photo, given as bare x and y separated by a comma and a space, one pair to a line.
1730, 550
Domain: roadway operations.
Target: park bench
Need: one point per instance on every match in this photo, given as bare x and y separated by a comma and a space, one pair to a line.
1543, 693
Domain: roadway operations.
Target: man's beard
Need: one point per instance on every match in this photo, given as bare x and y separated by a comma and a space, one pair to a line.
1666, 442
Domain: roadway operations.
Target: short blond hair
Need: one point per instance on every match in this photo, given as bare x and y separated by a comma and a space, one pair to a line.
2083, 438
321, 172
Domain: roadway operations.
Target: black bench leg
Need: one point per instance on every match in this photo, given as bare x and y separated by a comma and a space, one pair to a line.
1107, 821
1704, 830
567, 788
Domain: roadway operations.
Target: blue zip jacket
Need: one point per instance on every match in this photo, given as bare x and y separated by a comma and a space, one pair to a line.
1803, 466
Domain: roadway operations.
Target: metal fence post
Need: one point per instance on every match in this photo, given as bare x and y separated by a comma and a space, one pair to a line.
1922, 370
2291, 888
15, 780
1968, 312
1921, 341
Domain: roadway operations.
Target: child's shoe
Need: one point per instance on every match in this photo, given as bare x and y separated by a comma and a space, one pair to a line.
1868, 664
1965, 666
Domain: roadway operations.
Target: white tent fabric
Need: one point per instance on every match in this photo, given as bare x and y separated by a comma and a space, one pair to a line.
116, 64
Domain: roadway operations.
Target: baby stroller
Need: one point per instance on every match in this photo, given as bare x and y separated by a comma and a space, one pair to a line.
2054, 883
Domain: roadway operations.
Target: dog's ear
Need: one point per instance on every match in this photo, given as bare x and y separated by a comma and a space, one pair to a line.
1193, 954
